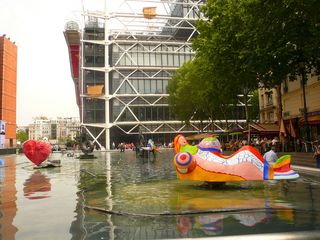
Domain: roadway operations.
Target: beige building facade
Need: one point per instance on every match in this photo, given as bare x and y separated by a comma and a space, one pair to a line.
268, 104
292, 98
55, 130
293, 106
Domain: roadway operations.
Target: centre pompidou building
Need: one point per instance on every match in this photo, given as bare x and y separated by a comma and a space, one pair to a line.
121, 63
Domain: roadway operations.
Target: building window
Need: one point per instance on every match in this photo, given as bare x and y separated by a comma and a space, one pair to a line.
269, 98
270, 117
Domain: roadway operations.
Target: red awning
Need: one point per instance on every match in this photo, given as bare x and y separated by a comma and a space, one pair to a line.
264, 127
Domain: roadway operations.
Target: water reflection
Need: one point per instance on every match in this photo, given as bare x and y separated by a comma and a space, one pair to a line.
143, 199
8, 206
37, 186
246, 211
138, 191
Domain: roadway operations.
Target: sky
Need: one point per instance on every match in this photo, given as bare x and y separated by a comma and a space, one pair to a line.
44, 83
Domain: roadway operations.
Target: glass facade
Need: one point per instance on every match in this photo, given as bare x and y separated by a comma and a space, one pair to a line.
150, 55
124, 72
136, 66
143, 70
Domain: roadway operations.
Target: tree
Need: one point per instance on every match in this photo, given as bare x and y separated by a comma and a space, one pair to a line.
185, 94
287, 34
180, 97
223, 40
287, 38
70, 142
245, 42
261, 41
195, 92
255, 110
22, 136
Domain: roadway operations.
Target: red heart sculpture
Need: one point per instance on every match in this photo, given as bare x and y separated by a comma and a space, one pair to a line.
36, 151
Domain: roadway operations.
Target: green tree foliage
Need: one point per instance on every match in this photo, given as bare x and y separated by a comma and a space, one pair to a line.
22, 136
196, 93
287, 36
254, 110
187, 93
269, 39
69, 142
225, 42
180, 93
241, 44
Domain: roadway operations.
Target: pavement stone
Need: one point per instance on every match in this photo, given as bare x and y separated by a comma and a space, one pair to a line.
301, 159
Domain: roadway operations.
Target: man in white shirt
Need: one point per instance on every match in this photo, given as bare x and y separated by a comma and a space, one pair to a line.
270, 156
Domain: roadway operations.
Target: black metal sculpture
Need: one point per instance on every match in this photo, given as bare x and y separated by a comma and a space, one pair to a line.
86, 146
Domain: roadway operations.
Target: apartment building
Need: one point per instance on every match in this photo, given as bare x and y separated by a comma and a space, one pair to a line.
293, 98
8, 90
55, 130
268, 104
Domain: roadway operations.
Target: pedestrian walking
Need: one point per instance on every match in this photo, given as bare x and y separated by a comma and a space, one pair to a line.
316, 155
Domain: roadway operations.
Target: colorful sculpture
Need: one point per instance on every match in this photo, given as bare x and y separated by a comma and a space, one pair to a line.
181, 145
36, 151
205, 162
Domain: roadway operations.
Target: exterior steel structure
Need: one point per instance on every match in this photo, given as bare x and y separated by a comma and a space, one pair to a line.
127, 58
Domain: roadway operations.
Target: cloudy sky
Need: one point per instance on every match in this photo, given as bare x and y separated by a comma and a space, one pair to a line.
44, 83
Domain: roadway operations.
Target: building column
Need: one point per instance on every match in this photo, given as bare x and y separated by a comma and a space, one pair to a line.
106, 75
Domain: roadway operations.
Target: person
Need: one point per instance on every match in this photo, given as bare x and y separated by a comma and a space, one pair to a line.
244, 142
274, 141
316, 155
152, 147
264, 145
122, 147
150, 144
271, 156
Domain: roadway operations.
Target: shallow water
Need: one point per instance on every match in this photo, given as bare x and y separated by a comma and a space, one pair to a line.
122, 196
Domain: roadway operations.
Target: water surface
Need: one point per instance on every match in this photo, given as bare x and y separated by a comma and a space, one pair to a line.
122, 196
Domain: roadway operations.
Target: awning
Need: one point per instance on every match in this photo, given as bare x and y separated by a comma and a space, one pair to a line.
292, 131
314, 119
199, 136
283, 130
264, 128
235, 133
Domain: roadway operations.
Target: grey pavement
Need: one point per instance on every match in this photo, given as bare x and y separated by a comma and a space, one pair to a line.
301, 159
303, 162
